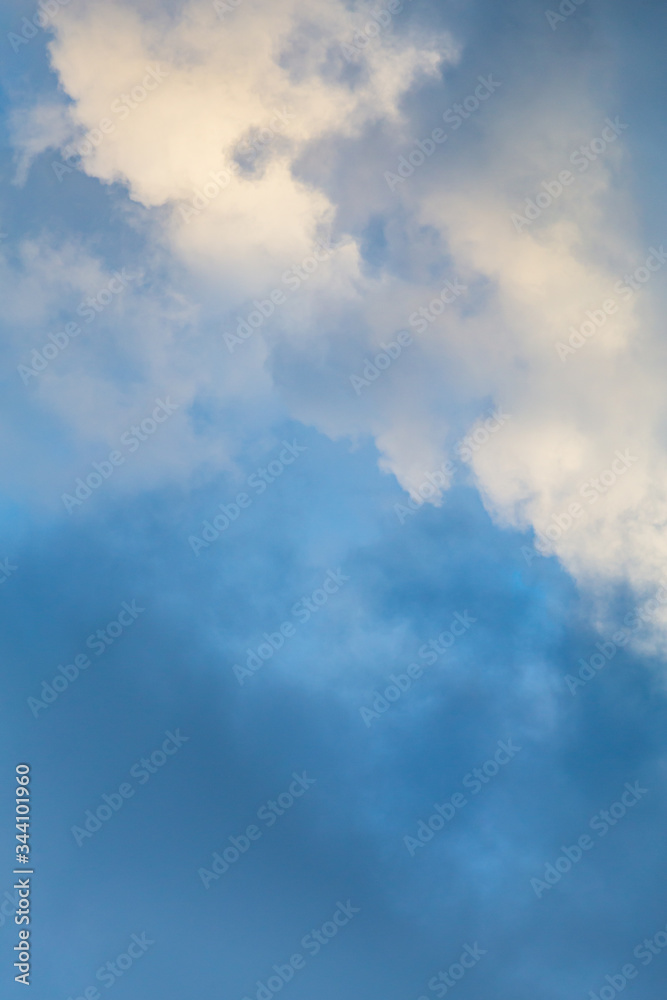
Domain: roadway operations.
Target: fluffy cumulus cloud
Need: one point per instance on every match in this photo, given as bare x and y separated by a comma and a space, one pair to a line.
332, 339
567, 344
207, 118
222, 109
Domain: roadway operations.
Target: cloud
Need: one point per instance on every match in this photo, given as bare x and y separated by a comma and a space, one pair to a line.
215, 85
214, 127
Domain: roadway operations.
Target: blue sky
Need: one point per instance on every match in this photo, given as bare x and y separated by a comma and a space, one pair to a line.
476, 475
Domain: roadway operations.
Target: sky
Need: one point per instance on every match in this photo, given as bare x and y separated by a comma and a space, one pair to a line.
332, 522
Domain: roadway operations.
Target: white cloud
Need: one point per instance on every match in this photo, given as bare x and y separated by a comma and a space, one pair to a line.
226, 79
222, 81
